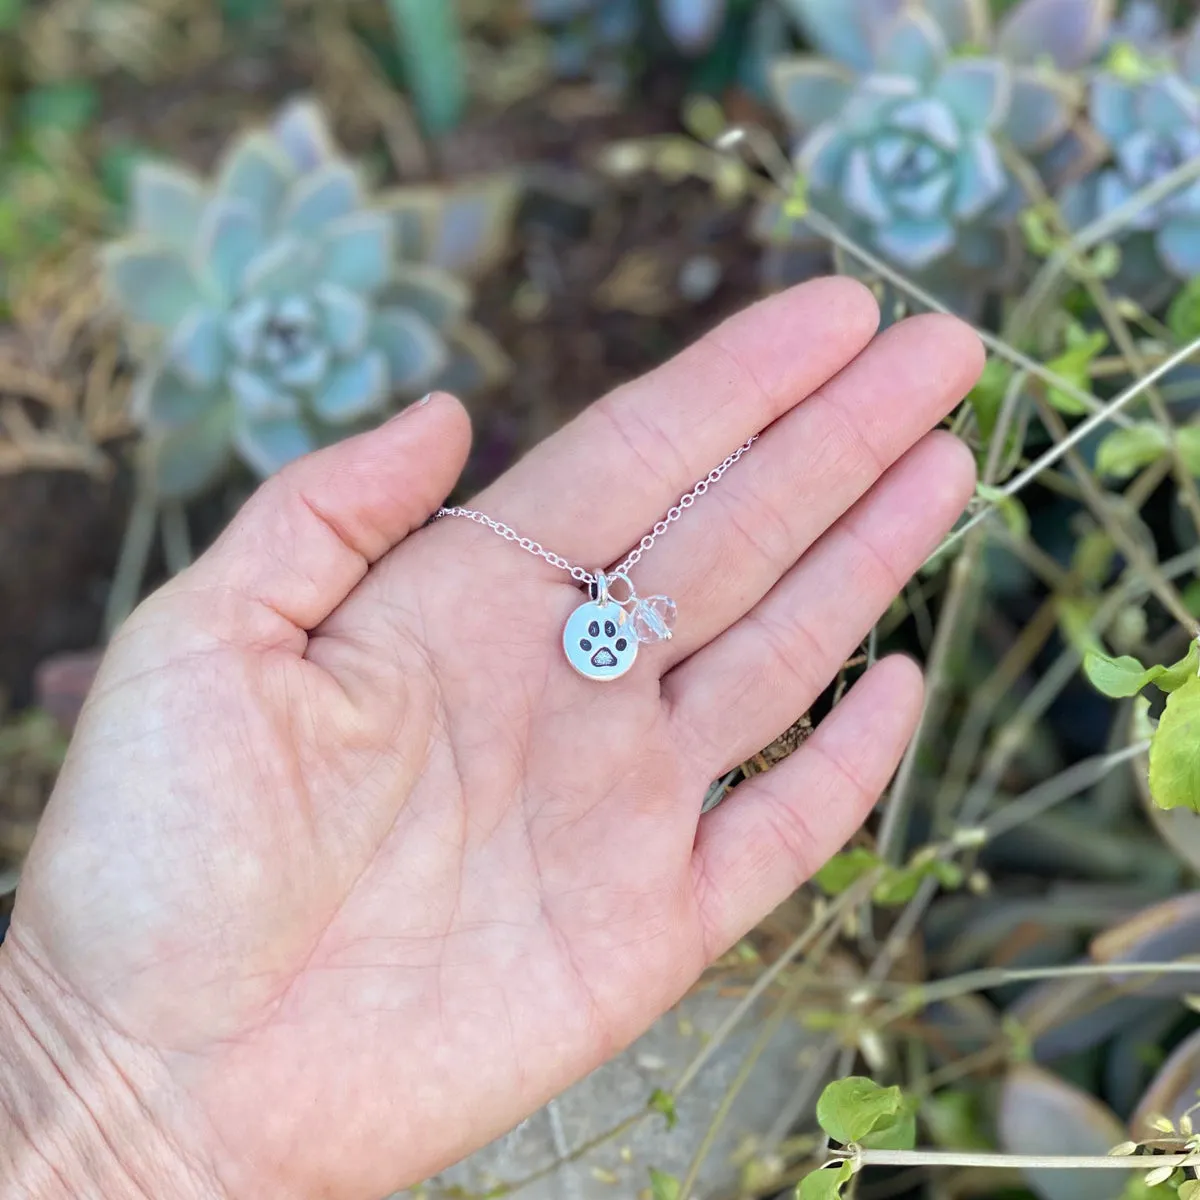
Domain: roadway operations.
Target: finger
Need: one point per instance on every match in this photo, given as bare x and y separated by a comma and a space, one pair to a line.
306, 538
771, 665
591, 491
804, 472
773, 832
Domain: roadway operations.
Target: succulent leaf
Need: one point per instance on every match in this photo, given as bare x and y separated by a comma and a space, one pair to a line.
244, 326
440, 298
187, 460
809, 90
288, 264
257, 399
321, 197
962, 22
197, 349
414, 352
268, 445
230, 235
912, 45
1040, 109
843, 31
915, 243
357, 252
1165, 104
470, 227
1190, 54
163, 400
1113, 107
301, 132
977, 90
861, 192
256, 170
1069, 32
353, 389
929, 118
823, 157
1179, 245
305, 370
166, 203
691, 24
982, 179
346, 317
476, 362
153, 285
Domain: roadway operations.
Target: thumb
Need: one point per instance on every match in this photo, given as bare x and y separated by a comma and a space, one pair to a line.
306, 538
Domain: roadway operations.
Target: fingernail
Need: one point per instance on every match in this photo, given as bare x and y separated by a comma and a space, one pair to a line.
415, 404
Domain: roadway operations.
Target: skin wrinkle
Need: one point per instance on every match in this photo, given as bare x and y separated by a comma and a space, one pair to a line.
30, 958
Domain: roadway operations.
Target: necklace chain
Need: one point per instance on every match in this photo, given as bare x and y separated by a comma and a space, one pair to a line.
635, 555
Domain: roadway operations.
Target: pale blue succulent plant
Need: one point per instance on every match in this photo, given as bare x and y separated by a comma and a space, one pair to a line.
902, 116
1147, 109
274, 311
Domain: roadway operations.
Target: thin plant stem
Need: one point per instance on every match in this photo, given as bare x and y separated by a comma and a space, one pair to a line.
176, 538
134, 555
1092, 235
1061, 448
797, 947
1098, 500
770, 1027
919, 996
964, 583
1027, 1162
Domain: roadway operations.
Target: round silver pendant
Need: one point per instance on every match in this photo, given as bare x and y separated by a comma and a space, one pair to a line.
599, 641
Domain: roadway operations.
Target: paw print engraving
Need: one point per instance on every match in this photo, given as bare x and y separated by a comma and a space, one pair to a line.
599, 641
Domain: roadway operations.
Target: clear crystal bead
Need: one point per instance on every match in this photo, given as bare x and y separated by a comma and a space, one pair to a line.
653, 619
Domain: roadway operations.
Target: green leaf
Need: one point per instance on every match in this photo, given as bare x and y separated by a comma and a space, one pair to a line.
10, 14
431, 49
1177, 674
1036, 228
1011, 510
826, 1183
844, 870
1124, 452
67, 107
1175, 751
851, 1108
986, 397
663, 1186
1188, 441
900, 1134
1093, 556
1183, 317
1117, 678
899, 886
1125, 676
664, 1102
1076, 615
1074, 365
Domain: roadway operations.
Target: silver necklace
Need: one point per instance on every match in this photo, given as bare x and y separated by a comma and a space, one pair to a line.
602, 636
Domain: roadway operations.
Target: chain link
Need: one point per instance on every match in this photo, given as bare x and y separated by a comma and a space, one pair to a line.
635, 555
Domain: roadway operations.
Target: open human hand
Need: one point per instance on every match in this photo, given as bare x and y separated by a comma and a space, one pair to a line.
348, 871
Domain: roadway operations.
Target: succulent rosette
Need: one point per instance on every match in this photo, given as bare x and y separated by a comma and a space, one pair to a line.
1146, 106
273, 311
919, 124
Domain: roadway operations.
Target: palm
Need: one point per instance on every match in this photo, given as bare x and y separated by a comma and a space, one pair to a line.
410, 857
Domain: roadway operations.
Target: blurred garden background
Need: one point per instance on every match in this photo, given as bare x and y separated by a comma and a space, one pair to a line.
234, 230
